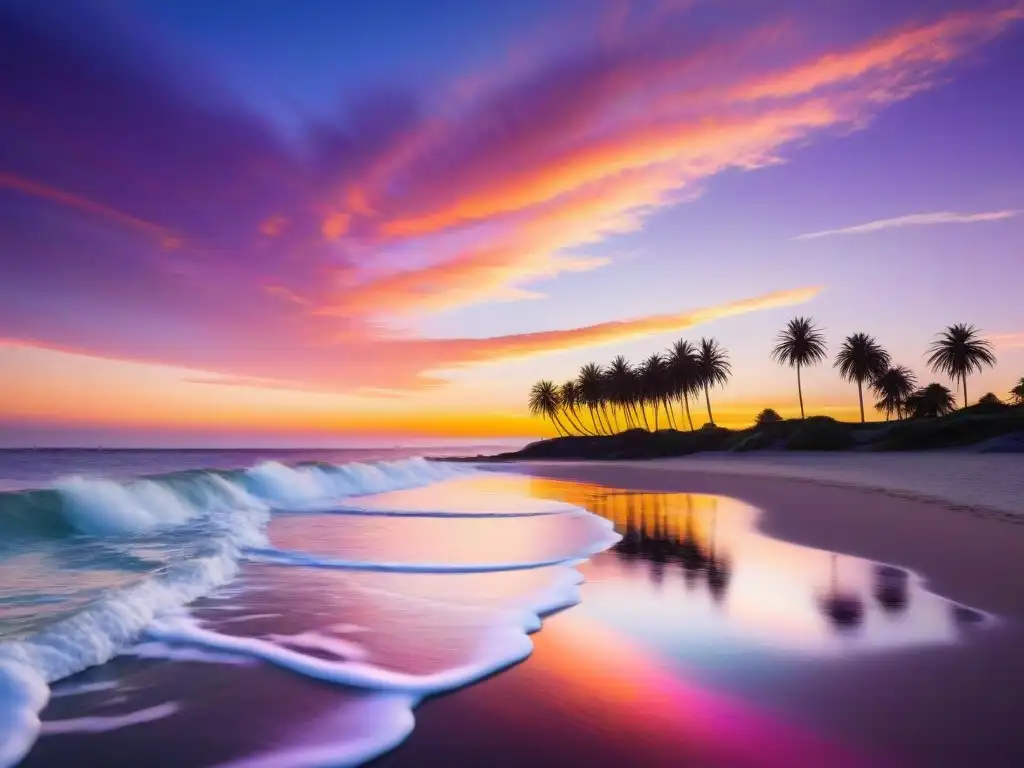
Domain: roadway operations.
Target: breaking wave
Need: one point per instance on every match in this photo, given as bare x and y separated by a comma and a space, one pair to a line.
218, 514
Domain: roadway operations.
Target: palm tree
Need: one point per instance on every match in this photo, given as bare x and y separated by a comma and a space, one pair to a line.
768, 416
545, 402
635, 398
652, 384
684, 373
1017, 393
569, 394
714, 368
620, 387
932, 401
591, 387
892, 389
861, 359
799, 344
960, 351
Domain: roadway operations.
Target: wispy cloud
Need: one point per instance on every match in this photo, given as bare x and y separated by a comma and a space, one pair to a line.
295, 267
914, 220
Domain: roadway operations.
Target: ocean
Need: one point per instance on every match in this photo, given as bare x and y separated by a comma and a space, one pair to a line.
307, 608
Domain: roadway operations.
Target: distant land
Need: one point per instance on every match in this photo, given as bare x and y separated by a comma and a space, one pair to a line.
980, 428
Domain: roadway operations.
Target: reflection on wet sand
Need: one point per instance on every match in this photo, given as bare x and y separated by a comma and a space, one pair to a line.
660, 537
734, 582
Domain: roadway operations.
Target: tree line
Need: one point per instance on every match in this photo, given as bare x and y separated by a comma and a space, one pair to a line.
603, 400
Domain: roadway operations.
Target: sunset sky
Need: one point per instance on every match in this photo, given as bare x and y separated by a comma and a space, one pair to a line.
319, 223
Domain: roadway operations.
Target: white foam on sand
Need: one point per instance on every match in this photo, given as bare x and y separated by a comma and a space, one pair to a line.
380, 723
235, 518
105, 723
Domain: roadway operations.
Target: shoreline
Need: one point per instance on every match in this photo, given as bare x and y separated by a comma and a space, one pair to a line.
951, 704
956, 471
873, 523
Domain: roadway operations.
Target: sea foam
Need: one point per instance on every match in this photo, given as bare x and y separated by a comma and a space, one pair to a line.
230, 511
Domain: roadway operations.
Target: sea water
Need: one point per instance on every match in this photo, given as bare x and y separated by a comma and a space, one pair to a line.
104, 564
295, 609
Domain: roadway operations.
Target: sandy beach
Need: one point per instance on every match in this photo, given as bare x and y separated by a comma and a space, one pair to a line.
702, 637
945, 705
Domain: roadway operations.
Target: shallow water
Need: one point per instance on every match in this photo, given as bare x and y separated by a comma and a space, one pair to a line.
348, 613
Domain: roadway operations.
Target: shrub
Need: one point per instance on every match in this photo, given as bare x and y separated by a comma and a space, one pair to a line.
991, 401
768, 416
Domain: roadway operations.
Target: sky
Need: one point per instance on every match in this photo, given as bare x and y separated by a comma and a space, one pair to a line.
319, 223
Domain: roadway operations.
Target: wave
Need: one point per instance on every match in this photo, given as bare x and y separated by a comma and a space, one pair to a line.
226, 511
101, 507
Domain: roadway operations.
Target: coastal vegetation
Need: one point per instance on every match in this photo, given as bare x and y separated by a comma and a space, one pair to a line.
646, 410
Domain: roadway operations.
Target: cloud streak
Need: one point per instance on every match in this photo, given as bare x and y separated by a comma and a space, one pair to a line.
158, 219
913, 220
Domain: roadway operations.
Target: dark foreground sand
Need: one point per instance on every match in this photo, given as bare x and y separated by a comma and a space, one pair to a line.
960, 705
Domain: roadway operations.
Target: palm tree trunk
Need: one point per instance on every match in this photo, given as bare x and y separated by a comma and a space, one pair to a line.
965, 390
604, 412
593, 418
583, 423
707, 399
656, 407
860, 397
558, 427
643, 412
800, 390
686, 400
669, 415
574, 419
615, 416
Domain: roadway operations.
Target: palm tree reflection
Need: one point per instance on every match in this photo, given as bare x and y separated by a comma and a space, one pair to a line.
843, 609
656, 531
891, 588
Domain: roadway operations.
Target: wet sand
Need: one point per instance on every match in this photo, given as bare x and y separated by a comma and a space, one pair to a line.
945, 705
698, 641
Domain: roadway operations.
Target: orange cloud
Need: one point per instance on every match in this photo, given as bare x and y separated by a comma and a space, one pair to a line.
404, 364
463, 351
930, 45
601, 191
654, 151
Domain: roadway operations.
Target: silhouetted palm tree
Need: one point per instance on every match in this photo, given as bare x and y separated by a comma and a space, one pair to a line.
799, 344
570, 396
714, 368
861, 359
959, 351
684, 373
892, 389
591, 387
652, 384
768, 416
620, 387
1017, 393
932, 401
545, 401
